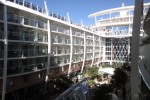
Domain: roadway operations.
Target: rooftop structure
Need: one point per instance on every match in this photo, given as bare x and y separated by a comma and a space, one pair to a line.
115, 26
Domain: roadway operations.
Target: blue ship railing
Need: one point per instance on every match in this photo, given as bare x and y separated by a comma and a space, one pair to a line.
79, 91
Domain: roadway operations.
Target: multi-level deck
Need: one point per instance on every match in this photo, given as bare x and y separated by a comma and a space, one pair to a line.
115, 26
35, 43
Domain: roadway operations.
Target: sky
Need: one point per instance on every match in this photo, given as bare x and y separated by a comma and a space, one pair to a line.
80, 9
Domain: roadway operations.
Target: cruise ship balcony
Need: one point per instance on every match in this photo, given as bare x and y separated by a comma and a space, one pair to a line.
19, 34
12, 18
115, 21
26, 50
62, 60
78, 42
77, 52
77, 34
61, 52
115, 33
77, 58
60, 30
26, 66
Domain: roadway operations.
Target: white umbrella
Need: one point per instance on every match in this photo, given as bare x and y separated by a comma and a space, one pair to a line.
107, 70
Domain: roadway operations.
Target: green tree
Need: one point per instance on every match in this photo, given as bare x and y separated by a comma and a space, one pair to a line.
92, 72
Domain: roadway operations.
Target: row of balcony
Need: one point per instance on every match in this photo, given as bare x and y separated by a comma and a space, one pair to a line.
89, 51
22, 36
89, 37
61, 41
61, 51
78, 34
26, 68
60, 30
24, 21
13, 69
78, 51
26, 53
78, 59
62, 62
115, 20
23, 53
89, 57
78, 42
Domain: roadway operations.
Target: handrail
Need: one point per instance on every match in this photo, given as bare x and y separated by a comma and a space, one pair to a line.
82, 85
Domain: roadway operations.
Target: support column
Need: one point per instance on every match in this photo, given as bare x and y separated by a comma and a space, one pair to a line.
104, 49
49, 41
49, 47
71, 51
99, 51
93, 51
5, 53
138, 10
111, 52
83, 64
129, 50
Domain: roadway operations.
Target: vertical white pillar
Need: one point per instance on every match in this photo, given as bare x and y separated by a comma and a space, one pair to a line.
104, 49
111, 52
99, 51
83, 64
93, 50
71, 51
49, 46
5, 53
128, 49
49, 42
138, 9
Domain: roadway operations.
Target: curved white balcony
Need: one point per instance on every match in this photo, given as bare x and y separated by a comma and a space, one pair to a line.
115, 21
117, 34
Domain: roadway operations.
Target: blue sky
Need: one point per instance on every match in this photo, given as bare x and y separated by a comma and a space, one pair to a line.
80, 9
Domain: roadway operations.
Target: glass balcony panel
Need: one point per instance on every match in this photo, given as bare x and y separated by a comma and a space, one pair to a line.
42, 38
41, 52
27, 53
30, 22
28, 37
14, 53
53, 64
42, 25
59, 52
14, 36
11, 70
13, 18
